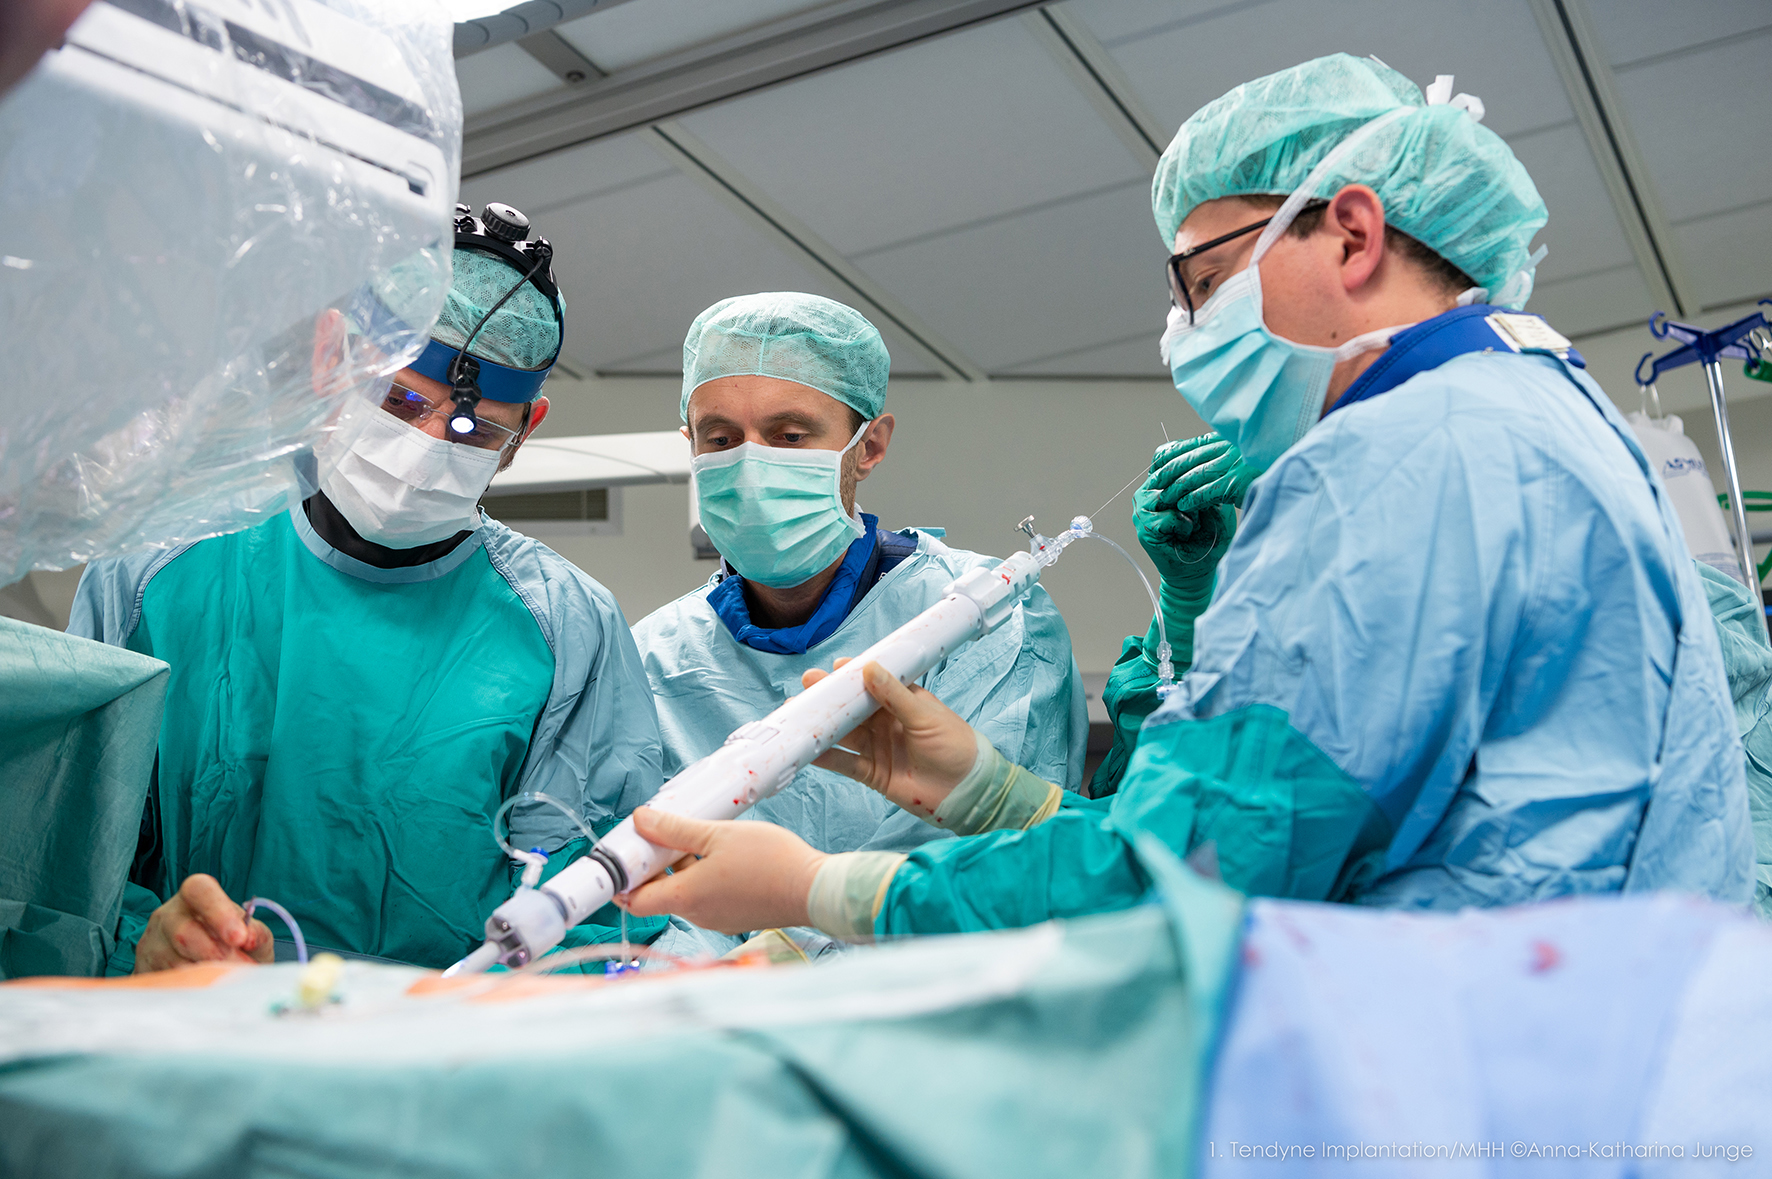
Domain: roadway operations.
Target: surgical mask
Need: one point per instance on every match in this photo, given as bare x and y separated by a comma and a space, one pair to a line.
402, 488
776, 514
1258, 390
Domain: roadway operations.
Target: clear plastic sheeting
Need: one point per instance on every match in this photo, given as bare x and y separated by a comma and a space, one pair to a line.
197, 201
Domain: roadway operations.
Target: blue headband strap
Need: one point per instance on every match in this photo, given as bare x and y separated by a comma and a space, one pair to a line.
497, 382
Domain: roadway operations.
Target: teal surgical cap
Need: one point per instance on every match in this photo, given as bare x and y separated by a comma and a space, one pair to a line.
1445, 180
523, 334
808, 339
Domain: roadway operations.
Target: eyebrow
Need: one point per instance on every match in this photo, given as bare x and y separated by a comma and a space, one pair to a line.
791, 418
787, 418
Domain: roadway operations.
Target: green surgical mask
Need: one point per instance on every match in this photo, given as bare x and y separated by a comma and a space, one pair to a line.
775, 513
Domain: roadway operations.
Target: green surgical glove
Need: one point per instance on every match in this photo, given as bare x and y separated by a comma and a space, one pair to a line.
1184, 512
1185, 516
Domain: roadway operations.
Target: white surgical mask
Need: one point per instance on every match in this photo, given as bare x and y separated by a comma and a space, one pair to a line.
400, 487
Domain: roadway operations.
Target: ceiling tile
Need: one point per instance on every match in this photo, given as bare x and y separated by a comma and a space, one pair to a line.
1706, 140
665, 360
555, 182
1117, 21
1594, 302
641, 30
1493, 49
1134, 357
1630, 30
1729, 256
1039, 284
1583, 233
639, 263
944, 133
500, 75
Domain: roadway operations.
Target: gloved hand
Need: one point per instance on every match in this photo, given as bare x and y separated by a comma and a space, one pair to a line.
738, 875
1184, 513
1185, 516
914, 749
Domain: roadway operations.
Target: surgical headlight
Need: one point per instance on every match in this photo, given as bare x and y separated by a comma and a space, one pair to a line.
465, 389
503, 231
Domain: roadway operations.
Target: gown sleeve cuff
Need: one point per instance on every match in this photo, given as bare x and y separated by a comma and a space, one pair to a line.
995, 795
848, 891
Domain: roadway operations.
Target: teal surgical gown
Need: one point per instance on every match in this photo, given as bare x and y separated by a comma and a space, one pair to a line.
338, 736
1019, 685
1457, 655
1748, 661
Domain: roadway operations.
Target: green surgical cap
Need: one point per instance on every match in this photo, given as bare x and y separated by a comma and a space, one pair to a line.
1445, 180
524, 334
808, 339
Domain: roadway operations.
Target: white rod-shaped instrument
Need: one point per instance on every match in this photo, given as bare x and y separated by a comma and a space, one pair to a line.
762, 757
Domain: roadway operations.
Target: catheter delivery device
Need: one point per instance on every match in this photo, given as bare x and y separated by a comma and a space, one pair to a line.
762, 757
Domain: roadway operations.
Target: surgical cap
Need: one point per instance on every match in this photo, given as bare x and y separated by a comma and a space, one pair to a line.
807, 339
1445, 180
525, 332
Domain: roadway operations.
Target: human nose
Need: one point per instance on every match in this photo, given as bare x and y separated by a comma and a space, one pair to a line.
434, 424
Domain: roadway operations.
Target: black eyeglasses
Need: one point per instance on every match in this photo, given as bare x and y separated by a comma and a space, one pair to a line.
1178, 280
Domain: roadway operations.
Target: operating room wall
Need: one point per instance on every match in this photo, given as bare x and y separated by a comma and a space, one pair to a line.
974, 459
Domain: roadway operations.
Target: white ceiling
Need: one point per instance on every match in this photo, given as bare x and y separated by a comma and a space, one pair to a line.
645, 30
974, 190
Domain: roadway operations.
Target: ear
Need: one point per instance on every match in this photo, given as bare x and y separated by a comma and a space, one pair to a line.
1356, 217
538, 410
330, 339
873, 445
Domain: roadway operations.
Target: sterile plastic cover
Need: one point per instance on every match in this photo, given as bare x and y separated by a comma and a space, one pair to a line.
197, 198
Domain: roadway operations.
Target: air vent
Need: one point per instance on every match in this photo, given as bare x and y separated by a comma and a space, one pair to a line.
591, 511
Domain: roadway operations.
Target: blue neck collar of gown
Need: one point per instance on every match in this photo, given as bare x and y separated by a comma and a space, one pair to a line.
728, 602
1430, 344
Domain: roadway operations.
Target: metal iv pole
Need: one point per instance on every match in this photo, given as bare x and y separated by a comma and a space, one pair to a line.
1709, 349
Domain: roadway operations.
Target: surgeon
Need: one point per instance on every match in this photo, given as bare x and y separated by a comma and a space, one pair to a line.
1748, 662
783, 405
358, 686
1456, 653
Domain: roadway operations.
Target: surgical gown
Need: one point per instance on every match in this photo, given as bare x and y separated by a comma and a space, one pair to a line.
1457, 655
1748, 662
338, 736
1018, 685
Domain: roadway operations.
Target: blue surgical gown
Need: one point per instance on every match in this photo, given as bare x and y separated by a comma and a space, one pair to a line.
1457, 655
338, 736
1019, 685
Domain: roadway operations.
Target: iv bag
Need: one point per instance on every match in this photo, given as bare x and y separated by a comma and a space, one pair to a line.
1676, 459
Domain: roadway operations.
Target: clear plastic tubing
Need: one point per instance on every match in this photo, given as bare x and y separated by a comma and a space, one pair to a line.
532, 861
301, 945
1083, 528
